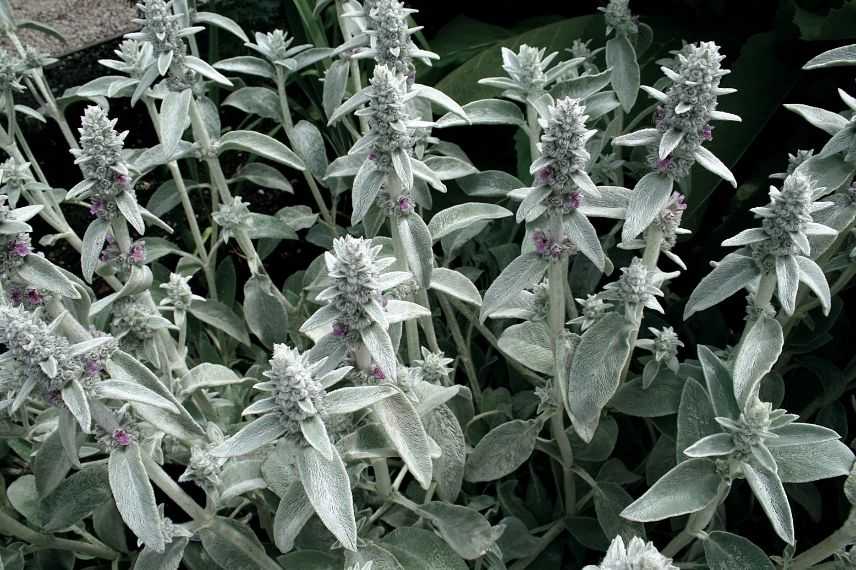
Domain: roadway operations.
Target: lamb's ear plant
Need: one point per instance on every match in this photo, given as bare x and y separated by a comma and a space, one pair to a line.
421, 364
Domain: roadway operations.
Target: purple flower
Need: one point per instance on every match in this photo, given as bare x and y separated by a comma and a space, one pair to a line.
122, 180
378, 373
707, 133
97, 208
663, 164
405, 204
93, 367
679, 201
137, 253
372, 156
340, 329
16, 295
542, 242
21, 248
34, 297
573, 200
544, 176
121, 437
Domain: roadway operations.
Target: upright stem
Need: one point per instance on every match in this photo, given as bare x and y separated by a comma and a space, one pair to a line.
534, 130
172, 490
288, 126
11, 527
696, 523
463, 347
411, 327
828, 546
356, 78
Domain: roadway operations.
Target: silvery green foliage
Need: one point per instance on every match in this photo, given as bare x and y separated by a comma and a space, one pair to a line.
362, 412
636, 554
779, 248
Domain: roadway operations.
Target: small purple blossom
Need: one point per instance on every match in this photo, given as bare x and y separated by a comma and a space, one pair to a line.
340, 329
542, 242
679, 201
372, 156
122, 180
121, 437
137, 254
34, 297
20, 248
97, 208
405, 205
544, 176
92, 367
378, 373
663, 164
573, 200
16, 295
707, 133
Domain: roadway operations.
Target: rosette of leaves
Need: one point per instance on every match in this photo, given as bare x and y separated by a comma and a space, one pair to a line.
278, 50
725, 432
27, 276
664, 352
683, 117
775, 256
295, 410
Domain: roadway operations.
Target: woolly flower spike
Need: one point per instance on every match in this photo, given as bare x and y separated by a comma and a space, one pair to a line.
276, 47
592, 309
178, 293
135, 324
637, 286
388, 133
354, 268
664, 348
434, 367
529, 72
637, 555
794, 161
619, 18
389, 36
564, 156
38, 361
11, 72
163, 30
135, 58
357, 314
296, 403
562, 185
684, 114
668, 222
232, 218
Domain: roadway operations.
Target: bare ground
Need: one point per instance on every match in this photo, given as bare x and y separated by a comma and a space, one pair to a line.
81, 22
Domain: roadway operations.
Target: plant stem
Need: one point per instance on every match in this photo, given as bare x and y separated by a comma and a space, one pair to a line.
696, 523
545, 541
172, 490
463, 347
12, 527
533, 129
382, 478
828, 546
288, 126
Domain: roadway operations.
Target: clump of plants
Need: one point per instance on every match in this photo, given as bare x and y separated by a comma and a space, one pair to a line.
442, 386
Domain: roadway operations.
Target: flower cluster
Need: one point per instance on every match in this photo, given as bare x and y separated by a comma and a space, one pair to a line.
295, 391
134, 324
16, 178
434, 367
389, 34
551, 249
276, 47
232, 218
685, 111
44, 360
161, 28
529, 73
100, 159
637, 286
387, 117
204, 468
563, 161
134, 58
178, 293
592, 309
13, 249
787, 222
619, 18
123, 432
355, 294
123, 260
669, 224
12, 69
636, 555
664, 348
